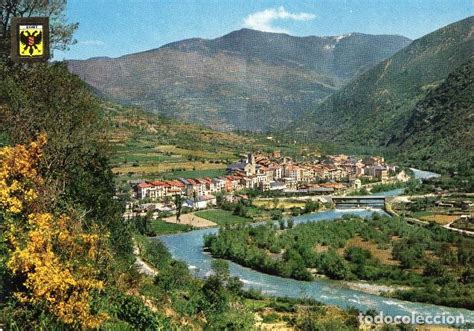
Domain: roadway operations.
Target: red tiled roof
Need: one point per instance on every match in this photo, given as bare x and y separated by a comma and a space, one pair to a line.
200, 181
176, 183
159, 183
233, 178
144, 185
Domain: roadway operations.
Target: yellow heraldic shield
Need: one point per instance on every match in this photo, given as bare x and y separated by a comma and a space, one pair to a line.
31, 40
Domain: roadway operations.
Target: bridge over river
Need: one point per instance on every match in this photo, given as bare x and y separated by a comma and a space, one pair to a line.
359, 201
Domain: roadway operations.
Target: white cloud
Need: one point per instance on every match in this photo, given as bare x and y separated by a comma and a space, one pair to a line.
263, 20
91, 42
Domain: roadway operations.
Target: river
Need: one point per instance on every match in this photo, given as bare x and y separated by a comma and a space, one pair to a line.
188, 247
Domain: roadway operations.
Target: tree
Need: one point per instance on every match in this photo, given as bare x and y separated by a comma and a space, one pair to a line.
221, 270
408, 259
311, 206
282, 224
74, 165
174, 276
276, 214
217, 299
61, 32
467, 276
178, 200
290, 223
141, 222
334, 266
357, 255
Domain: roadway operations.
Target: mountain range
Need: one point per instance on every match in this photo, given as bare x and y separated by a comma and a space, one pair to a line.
247, 79
414, 98
409, 100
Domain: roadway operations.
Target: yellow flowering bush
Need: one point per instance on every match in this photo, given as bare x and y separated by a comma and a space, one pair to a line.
19, 178
52, 255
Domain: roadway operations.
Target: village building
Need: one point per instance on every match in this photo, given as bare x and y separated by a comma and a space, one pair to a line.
270, 173
248, 166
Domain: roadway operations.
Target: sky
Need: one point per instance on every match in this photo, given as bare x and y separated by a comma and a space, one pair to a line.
117, 27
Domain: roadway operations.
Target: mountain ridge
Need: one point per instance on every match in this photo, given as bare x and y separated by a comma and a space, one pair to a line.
387, 93
246, 79
441, 124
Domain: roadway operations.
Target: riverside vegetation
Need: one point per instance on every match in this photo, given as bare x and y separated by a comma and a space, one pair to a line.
435, 264
67, 257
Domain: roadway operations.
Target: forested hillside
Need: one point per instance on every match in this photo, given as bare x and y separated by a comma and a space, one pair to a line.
377, 106
440, 131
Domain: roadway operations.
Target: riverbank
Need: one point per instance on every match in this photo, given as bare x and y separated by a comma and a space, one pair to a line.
379, 250
188, 247
191, 219
269, 312
374, 289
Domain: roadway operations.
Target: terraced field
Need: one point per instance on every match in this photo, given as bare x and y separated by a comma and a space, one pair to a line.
147, 146
168, 166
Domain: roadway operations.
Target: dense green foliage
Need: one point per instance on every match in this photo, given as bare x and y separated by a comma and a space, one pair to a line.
439, 133
222, 217
46, 98
216, 298
131, 310
454, 182
327, 247
383, 187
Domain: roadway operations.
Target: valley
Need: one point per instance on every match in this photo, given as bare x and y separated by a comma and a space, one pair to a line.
384, 261
248, 179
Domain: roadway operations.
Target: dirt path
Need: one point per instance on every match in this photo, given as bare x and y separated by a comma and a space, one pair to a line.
467, 232
191, 219
142, 266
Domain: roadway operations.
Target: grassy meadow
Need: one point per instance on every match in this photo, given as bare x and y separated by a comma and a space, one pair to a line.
222, 217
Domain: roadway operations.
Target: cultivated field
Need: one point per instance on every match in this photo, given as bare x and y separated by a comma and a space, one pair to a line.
170, 166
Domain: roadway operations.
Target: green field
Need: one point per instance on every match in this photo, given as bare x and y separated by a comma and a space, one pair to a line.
160, 227
222, 217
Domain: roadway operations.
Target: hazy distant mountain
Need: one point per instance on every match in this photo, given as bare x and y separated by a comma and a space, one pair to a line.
246, 79
375, 108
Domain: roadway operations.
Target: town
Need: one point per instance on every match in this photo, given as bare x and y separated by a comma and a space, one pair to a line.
333, 174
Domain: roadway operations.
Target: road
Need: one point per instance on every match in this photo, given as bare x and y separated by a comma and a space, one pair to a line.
389, 209
466, 232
